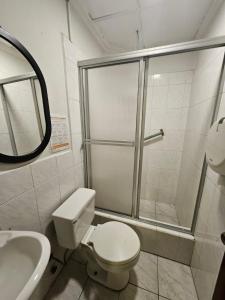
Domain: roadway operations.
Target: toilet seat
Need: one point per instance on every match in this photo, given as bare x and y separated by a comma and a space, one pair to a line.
115, 243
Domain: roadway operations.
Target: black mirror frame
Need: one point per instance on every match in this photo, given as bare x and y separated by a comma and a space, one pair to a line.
26, 157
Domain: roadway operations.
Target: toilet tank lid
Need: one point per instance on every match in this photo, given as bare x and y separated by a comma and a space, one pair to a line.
72, 208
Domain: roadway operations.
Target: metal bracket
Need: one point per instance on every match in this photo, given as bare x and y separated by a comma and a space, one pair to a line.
160, 133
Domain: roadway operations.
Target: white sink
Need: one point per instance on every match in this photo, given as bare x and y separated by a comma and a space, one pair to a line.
24, 256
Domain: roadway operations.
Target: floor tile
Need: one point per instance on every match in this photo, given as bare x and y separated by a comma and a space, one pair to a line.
144, 274
95, 291
132, 292
147, 209
175, 280
69, 284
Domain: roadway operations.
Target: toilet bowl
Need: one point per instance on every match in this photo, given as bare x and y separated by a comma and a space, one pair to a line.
112, 248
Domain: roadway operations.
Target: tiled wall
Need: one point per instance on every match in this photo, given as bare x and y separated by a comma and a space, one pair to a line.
167, 107
31, 193
204, 88
208, 249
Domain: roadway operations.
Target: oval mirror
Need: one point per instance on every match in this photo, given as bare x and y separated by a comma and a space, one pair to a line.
25, 124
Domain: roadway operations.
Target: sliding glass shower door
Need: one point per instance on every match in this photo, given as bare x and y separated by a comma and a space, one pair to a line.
110, 110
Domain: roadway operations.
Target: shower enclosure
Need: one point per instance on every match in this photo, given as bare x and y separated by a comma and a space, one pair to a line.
145, 116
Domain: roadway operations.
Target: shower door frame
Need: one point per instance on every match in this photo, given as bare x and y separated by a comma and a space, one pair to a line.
142, 57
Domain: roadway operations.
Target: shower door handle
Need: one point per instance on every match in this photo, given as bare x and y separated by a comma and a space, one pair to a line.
152, 136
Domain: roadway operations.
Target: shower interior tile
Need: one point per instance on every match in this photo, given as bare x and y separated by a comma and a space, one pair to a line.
147, 209
163, 212
166, 213
175, 280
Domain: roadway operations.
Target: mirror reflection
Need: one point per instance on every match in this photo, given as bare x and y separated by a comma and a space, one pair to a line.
22, 124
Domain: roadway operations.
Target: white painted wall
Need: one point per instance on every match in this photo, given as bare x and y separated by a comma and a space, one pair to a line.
40, 187
29, 194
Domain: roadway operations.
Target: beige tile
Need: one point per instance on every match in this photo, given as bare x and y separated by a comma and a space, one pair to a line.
48, 199
67, 183
166, 213
185, 250
43, 170
15, 182
147, 209
65, 161
95, 291
144, 274
147, 238
132, 292
168, 238
20, 213
77, 148
175, 280
47, 280
69, 284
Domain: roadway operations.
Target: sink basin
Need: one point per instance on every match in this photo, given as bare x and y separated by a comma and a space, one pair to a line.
24, 256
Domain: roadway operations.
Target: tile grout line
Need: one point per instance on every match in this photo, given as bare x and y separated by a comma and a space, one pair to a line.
158, 273
194, 282
35, 196
143, 288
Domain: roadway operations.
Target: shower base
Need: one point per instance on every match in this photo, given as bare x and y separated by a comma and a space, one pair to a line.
154, 239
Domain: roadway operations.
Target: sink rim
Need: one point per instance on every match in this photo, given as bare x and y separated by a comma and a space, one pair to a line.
34, 279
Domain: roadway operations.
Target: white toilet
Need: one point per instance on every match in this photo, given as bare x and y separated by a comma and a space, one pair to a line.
112, 248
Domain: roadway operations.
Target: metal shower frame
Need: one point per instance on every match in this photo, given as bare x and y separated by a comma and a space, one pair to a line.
142, 57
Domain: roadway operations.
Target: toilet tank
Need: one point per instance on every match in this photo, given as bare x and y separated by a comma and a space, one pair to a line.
73, 218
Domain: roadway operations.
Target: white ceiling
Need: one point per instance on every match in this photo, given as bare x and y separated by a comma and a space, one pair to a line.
125, 25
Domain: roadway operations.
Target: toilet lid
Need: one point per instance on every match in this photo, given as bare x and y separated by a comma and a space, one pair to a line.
115, 243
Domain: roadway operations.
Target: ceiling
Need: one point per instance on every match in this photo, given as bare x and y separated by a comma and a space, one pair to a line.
125, 25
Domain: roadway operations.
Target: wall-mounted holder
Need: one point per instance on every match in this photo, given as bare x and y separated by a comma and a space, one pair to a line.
215, 147
152, 136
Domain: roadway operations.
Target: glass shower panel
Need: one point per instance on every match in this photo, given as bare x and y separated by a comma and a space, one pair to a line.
113, 101
112, 177
112, 109
180, 100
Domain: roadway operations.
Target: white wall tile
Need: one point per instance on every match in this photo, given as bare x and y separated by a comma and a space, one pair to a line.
67, 182
75, 117
43, 170
20, 213
48, 199
14, 183
77, 148
65, 160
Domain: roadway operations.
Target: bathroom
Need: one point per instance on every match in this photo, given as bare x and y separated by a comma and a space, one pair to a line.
118, 115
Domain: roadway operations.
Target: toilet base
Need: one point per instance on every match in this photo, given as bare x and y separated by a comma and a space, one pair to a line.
114, 281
